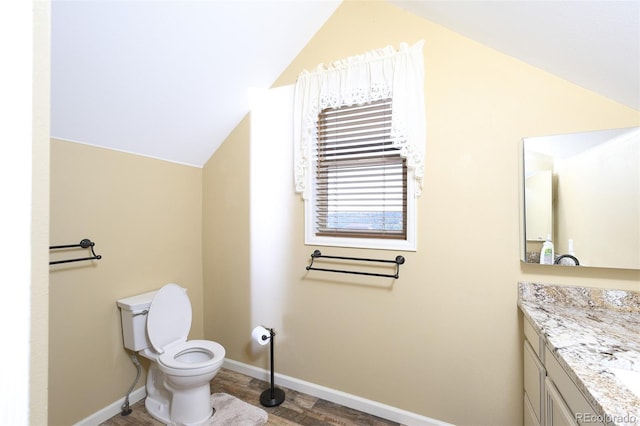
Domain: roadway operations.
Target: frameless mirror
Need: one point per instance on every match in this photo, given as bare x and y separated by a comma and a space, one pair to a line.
582, 192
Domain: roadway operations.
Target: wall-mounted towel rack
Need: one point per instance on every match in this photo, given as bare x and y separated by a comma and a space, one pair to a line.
86, 243
399, 260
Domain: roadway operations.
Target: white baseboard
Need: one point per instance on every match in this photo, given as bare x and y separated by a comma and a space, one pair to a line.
111, 410
348, 400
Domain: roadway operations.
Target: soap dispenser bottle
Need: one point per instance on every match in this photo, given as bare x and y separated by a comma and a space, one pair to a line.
569, 261
547, 254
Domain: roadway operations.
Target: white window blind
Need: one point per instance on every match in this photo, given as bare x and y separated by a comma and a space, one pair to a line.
360, 176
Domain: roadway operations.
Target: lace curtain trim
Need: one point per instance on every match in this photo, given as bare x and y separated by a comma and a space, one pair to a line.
378, 74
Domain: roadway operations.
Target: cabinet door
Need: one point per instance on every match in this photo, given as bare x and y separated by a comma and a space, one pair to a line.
571, 395
534, 374
529, 415
535, 340
558, 414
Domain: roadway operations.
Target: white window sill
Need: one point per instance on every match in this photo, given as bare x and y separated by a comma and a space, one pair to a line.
365, 243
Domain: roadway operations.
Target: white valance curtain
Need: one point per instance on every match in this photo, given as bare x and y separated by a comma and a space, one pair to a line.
379, 74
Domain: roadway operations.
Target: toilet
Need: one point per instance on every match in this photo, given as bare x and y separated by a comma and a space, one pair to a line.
156, 325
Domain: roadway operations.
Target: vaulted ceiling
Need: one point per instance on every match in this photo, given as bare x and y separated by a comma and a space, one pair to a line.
170, 79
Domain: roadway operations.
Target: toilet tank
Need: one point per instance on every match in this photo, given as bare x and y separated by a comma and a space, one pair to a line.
133, 312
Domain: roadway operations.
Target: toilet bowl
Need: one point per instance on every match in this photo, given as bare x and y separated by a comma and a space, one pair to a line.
178, 381
192, 358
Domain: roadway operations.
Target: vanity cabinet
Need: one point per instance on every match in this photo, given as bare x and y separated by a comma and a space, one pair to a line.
551, 398
557, 412
534, 375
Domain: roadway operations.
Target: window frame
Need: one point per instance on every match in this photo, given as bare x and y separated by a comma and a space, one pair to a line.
369, 242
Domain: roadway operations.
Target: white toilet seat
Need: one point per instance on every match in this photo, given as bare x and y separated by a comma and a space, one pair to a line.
168, 324
169, 317
192, 358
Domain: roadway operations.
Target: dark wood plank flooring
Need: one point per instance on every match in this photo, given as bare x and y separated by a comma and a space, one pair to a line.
297, 409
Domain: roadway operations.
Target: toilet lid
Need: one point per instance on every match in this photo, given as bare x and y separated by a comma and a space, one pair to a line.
169, 317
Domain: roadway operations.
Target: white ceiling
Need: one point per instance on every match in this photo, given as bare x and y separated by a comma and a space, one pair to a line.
595, 44
170, 79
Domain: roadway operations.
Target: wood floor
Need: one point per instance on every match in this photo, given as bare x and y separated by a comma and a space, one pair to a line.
297, 409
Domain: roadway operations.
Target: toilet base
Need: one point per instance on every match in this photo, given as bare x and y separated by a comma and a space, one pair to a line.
191, 407
159, 410
188, 407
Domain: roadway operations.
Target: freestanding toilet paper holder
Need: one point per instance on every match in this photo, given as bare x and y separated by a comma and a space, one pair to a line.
273, 396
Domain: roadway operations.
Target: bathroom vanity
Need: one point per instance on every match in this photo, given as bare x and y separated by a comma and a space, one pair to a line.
581, 355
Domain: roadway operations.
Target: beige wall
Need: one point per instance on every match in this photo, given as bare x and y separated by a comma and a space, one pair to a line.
226, 237
443, 340
39, 316
145, 216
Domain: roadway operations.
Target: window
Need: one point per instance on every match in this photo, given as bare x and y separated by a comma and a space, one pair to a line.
360, 177
359, 147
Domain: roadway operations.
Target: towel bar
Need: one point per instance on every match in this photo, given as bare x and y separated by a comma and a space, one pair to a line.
399, 260
85, 243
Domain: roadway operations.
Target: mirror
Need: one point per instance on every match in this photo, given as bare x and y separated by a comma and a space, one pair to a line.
582, 191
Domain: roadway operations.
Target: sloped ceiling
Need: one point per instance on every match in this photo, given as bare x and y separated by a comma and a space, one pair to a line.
170, 79
595, 44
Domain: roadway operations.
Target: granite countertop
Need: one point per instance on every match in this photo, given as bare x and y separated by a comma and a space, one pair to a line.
590, 330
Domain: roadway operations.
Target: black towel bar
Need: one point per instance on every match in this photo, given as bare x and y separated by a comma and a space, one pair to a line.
85, 243
399, 260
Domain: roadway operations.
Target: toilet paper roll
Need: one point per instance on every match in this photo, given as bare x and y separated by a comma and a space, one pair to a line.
261, 335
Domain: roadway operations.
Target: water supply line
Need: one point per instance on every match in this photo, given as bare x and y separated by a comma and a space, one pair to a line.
126, 410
